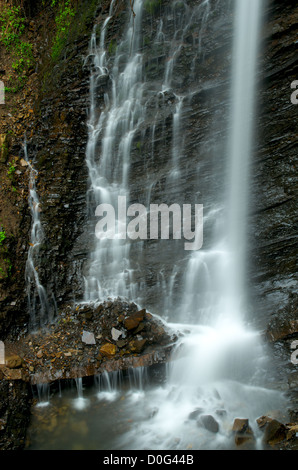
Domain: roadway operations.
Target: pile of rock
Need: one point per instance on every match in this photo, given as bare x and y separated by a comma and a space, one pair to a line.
275, 433
92, 339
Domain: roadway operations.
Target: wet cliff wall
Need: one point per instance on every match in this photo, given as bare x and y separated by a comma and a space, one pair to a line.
53, 109
273, 221
57, 137
60, 138
50, 110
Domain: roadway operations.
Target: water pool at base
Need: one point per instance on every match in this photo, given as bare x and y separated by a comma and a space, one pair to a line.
189, 411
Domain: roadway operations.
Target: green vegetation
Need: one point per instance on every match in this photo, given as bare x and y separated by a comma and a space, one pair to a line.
151, 6
10, 173
80, 24
2, 237
63, 19
11, 170
5, 263
12, 25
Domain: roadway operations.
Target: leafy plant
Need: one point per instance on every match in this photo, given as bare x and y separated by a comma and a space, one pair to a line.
63, 19
2, 237
11, 170
12, 25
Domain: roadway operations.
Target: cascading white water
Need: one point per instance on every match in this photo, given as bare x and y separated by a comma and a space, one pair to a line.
218, 365
112, 134
243, 100
43, 391
221, 270
38, 303
108, 172
80, 402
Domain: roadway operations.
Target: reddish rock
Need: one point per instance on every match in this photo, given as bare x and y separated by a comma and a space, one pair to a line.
263, 420
39, 354
275, 432
240, 425
137, 346
246, 439
108, 350
13, 374
244, 436
292, 431
134, 320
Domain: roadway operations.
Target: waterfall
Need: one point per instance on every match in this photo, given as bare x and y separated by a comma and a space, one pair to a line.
43, 391
218, 365
215, 278
220, 346
108, 385
117, 130
246, 47
38, 303
110, 272
80, 402
217, 369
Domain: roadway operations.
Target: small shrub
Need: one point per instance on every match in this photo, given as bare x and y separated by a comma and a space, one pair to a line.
2, 237
63, 19
12, 25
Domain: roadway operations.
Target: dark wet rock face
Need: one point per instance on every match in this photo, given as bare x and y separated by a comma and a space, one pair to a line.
112, 336
274, 191
15, 404
59, 145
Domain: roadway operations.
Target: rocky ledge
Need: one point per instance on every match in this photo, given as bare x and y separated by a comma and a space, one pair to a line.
88, 340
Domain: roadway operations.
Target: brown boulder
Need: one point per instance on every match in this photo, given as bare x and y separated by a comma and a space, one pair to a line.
39, 354
13, 374
244, 436
263, 420
134, 320
137, 346
240, 425
14, 362
108, 350
247, 439
292, 431
121, 343
275, 432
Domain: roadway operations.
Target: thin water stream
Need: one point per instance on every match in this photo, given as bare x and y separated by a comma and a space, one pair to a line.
38, 302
